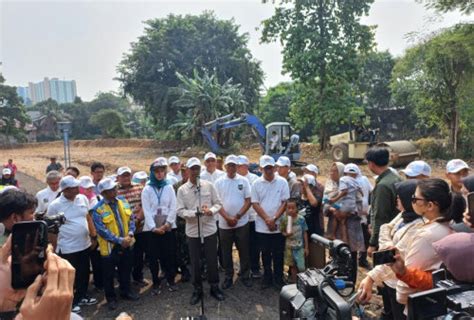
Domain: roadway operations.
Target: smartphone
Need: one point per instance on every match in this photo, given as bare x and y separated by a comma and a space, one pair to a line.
383, 257
470, 206
29, 242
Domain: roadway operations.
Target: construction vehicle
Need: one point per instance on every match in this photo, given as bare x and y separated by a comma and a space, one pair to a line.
288, 144
353, 145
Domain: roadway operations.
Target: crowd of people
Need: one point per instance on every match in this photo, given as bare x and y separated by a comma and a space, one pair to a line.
182, 221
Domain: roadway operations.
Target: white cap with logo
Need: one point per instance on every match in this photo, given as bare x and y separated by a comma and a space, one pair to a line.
243, 160
193, 162
6, 171
351, 168
140, 175
159, 162
266, 160
86, 182
68, 182
312, 168
283, 161
416, 168
456, 165
210, 155
106, 184
123, 170
231, 159
173, 160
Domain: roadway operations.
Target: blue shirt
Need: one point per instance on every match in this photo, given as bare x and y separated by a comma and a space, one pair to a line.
102, 229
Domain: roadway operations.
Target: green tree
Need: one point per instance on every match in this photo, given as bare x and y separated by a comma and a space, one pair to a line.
465, 6
436, 77
322, 40
110, 122
181, 44
275, 105
12, 112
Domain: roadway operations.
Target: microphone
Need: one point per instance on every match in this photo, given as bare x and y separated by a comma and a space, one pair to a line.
198, 182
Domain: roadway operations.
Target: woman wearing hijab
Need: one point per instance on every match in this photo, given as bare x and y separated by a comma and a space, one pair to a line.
159, 207
397, 233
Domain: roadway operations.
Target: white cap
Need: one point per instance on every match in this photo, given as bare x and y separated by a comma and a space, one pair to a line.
112, 177
416, 168
193, 162
283, 162
312, 168
266, 161
310, 179
351, 168
159, 162
6, 171
86, 182
68, 182
123, 170
106, 184
243, 160
140, 175
173, 159
456, 165
209, 155
6, 188
231, 159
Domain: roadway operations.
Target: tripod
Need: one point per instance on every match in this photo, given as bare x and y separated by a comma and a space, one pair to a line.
201, 237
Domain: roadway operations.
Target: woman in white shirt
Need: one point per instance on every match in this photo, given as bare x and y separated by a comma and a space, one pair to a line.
159, 208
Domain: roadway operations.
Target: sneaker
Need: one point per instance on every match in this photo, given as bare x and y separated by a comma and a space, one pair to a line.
76, 309
87, 301
156, 289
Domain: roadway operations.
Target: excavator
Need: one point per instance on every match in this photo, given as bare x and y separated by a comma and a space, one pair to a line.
288, 142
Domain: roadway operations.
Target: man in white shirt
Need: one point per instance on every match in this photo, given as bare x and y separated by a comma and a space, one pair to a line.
175, 172
201, 195
73, 238
254, 250
275, 142
48, 194
269, 195
284, 170
211, 173
234, 192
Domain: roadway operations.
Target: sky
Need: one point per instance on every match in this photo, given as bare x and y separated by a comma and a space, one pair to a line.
86, 40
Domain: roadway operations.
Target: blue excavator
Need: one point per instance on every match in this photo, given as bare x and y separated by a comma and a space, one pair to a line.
276, 139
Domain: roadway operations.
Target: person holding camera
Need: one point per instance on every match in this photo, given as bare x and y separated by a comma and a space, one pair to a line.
115, 229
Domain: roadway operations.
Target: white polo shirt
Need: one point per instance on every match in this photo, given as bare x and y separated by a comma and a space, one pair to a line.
233, 192
212, 177
251, 177
174, 176
45, 197
74, 234
270, 195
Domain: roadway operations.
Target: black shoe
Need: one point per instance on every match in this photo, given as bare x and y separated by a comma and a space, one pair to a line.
217, 293
140, 283
365, 264
185, 275
130, 296
246, 282
112, 305
196, 297
227, 283
156, 289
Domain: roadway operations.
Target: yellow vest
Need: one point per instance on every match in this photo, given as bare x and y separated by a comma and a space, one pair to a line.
108, 218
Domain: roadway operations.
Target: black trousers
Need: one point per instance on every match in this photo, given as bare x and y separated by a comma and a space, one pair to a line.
80, 261
365, 232
209, 251
254, 249
396, 307
96, 263
139, 249
239, 236
162, 250
122, 259
272, 246
353, 275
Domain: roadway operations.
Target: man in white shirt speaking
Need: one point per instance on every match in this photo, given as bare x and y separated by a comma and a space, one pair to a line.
269, 195
73, 238
234, 192
48, 194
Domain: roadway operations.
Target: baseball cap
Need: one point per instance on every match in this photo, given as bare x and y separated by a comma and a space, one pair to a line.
283, 162
106, 184
159, 162
312, 168
193, 162
123, 170
266, 161
243, 160
210, 155
456, 165
309, 179
6, 171
351, 168
173, 159
86, 182
140, 175
68, 182
6, 188
231, 159
416, 168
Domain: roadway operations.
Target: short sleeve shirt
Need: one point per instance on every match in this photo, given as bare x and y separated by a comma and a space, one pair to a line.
299, 227
233, 193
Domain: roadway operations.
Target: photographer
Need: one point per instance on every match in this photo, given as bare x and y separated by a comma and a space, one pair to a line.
16, 206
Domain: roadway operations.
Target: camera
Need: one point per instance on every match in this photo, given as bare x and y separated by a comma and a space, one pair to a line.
53, 221
322, 293
448, 298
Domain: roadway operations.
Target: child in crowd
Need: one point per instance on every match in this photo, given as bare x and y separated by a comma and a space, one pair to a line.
293, 227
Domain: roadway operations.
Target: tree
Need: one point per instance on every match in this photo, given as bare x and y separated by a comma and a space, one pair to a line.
465, 6
436, 77
182, 44
110, 123
12, 112
275, 105
322, 40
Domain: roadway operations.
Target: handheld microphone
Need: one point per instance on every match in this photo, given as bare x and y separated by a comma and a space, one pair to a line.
198, 182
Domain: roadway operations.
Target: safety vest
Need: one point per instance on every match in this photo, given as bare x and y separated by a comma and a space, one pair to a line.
108, 218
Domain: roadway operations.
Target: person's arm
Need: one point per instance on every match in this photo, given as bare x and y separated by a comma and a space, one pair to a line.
381, 212
385, 238
148, 201
309, 194
181, 210
417, 279
103, 231
247, 203
284, 195
171, 219
215, 201
306, 243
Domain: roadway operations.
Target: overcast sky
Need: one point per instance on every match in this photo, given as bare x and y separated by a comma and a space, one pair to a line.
85, 40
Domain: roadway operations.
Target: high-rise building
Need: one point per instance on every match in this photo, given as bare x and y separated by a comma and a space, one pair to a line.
63, 91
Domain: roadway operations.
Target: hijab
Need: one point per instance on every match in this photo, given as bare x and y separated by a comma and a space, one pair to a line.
155, 182
405, 190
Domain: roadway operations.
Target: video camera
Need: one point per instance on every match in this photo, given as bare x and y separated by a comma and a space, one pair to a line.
318, 293
53, 221
449, 298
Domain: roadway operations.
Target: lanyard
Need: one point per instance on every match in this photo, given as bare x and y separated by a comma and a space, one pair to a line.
158, 194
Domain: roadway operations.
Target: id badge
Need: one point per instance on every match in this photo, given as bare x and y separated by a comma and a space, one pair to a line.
158, 212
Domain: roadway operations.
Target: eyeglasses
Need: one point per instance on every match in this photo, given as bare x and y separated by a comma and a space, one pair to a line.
414, 199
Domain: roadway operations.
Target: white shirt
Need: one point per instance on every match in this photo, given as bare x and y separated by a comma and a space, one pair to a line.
366, 188
74, 233
212, 177
251, 177
270, 195
45, 197
153, 200
233, 192
174, 176
274, 141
